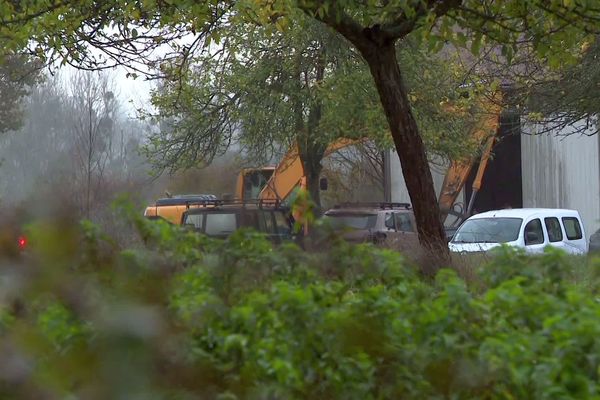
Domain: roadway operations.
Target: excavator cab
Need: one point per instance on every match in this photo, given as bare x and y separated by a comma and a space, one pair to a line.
251, 181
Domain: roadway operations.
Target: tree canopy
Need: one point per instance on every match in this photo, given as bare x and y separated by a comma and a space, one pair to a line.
17, 74
568, 97
248, 90
126, 32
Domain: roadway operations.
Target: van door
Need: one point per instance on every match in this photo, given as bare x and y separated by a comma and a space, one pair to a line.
555, 233
533, 235
575, 241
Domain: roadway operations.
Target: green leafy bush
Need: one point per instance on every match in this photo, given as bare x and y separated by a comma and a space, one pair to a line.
180, 316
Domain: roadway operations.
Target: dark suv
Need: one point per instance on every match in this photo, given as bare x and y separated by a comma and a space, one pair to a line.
220, 218
380, 223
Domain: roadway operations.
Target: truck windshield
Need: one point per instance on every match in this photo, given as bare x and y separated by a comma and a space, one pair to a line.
355, 221
488, 230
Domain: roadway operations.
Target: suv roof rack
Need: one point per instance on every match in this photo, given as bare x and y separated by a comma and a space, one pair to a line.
270, 203
183, 199
381, 205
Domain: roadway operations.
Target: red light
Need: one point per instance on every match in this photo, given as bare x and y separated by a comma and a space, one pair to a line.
22, 242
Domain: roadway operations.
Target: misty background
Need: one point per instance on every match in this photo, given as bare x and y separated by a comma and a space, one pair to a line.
78, 142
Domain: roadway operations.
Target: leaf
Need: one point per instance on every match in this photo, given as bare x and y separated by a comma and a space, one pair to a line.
476, 43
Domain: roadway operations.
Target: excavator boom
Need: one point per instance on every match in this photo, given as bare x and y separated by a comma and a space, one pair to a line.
283, 178
276, 183
459, 171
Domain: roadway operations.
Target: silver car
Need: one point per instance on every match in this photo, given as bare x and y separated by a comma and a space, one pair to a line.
378, 223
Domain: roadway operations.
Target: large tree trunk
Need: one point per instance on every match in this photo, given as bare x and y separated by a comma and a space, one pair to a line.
311, 162
409, 145
310, 148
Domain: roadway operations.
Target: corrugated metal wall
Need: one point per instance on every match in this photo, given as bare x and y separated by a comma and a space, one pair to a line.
562, 171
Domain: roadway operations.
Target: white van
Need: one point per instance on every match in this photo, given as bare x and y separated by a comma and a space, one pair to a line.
529, 228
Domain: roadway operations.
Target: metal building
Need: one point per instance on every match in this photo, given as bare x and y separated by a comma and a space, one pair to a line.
562, 170
530, 169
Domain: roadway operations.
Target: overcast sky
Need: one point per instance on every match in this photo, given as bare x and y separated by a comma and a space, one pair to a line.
134, 93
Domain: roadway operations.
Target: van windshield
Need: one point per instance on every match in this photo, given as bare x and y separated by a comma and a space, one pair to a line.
488, 230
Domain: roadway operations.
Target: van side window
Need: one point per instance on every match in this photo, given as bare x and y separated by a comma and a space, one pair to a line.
572, 228
553, 228
534, 233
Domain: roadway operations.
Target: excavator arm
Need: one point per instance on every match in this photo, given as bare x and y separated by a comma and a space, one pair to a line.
459, 171
287, 175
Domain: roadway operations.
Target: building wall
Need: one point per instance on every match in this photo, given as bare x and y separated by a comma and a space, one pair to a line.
399, 190
562, 171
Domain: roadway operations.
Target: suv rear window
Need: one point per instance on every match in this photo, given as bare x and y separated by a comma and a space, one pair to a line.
354, 220
572, 228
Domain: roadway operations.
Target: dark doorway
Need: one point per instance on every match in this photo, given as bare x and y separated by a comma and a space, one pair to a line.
501, 186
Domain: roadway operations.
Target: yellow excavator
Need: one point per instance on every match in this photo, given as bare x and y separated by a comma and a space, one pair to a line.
276, 183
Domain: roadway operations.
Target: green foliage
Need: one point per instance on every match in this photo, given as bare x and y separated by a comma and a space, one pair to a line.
315, 87
17, 75
565, 97
554, 29
308, 79
242, 319
59, 326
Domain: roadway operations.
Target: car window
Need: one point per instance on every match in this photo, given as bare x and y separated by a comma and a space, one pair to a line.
268, 224
534, 233
572, 228
220, 223
389, 221
553, 228
282, 223
194, 219
262, 219
403, 222
249, 219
